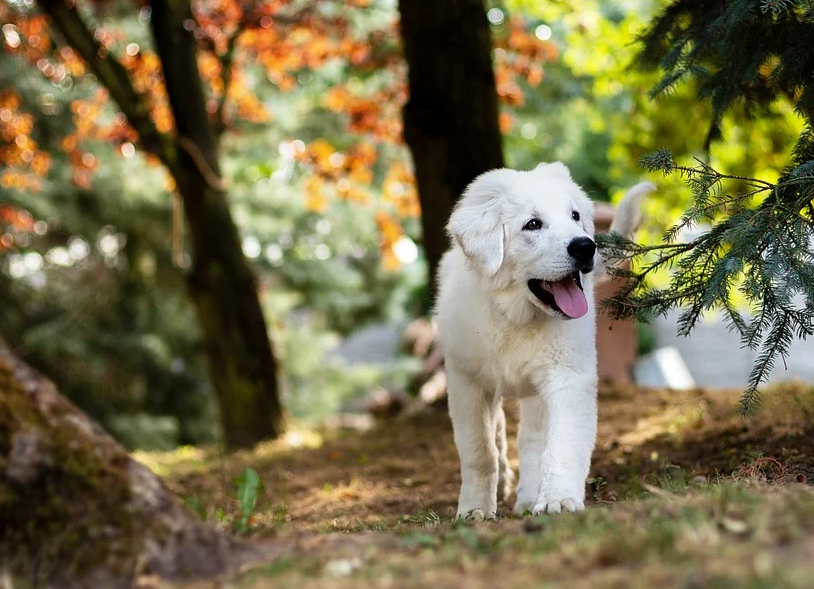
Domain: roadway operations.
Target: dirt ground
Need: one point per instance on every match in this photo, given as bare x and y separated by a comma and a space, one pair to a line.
335, 496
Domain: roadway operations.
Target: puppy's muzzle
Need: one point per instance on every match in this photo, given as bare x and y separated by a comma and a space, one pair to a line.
582, 250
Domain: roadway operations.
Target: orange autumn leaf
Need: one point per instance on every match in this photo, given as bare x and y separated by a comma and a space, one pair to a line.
353, 167
505, 122
390, 231
520, 55
169, 182
24, 163
13, 221
377, 115
315, 199
13, 217
356, 196
399, 189
148, 79
12, 179
508, 90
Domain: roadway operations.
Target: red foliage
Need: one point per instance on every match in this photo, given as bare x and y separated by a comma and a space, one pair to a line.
285, 38
24, 164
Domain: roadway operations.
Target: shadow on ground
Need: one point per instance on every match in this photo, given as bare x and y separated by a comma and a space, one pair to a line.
405, 470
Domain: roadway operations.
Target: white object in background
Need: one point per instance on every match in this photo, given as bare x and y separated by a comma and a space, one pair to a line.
663, 368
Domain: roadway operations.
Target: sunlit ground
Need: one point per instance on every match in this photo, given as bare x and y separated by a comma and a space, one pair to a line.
682, 491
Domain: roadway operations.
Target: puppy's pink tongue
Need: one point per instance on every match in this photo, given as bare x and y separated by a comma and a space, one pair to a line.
569, 297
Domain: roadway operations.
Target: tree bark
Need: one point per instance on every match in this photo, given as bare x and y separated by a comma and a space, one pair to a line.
451, 118
221, 283
76, 511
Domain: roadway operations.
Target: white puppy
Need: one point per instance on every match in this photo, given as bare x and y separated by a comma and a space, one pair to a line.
515, 317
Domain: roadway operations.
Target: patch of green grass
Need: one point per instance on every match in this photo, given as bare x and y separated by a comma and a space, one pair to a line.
724, 535
426, 519
265, 575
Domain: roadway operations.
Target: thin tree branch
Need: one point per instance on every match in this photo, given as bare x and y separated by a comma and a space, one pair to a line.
66, 18
113, 76
227, 61
177, 50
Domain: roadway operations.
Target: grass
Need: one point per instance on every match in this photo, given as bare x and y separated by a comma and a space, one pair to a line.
725, 535
683, 493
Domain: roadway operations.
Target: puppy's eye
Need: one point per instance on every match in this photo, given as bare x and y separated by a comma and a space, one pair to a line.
575, 216
533, 225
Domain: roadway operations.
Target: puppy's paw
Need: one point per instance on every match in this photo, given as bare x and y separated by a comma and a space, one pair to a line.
476, 515
526, 498
522, 507
548, 505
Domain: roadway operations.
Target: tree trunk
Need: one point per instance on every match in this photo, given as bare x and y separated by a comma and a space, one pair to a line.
76, 511
451, 118
222, 285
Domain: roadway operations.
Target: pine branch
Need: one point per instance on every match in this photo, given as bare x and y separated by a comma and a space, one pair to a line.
775, 6
766, 246
777, 344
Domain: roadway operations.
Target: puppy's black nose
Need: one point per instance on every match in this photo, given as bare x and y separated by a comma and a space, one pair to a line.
582, 249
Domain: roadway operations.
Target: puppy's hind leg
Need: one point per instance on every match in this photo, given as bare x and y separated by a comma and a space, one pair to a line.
505, 475
531, 442
473, 412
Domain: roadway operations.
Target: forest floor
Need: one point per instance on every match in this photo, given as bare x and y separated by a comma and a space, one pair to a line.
684, 493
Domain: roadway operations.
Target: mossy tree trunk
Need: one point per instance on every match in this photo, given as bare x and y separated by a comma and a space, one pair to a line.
451, 118
221, 283
76, 511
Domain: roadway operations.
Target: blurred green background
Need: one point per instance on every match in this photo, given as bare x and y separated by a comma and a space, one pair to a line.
90, 287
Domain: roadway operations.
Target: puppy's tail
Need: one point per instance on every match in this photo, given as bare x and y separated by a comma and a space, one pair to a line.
628, 215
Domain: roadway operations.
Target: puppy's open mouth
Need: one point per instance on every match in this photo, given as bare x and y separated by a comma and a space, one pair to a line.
564, 295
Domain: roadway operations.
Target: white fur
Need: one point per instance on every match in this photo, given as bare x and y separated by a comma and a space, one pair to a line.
500, 341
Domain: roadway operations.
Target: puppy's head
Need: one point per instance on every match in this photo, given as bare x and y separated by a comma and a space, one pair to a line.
529, 232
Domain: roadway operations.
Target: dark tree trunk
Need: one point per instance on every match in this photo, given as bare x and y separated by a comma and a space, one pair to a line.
451, 118
76, 511
221, 283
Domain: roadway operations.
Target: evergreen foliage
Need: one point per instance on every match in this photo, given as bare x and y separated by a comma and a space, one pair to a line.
741, 234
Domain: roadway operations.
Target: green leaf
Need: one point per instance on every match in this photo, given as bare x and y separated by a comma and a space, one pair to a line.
196, 506
248, 488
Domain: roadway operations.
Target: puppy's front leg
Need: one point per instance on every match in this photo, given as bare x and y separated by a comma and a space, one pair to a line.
473, 421
531, 444
570, 434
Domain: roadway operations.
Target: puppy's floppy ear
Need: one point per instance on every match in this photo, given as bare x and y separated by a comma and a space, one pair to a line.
476, 223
